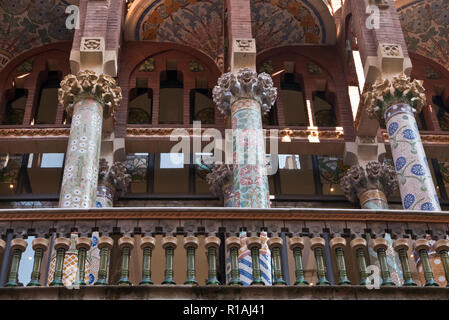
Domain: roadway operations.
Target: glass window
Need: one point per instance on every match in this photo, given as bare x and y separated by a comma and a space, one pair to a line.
331, 171
171, 175
15, 107
296, 175
48, 100
295, 110
137, 167
140, 106
202, 107
324, 111
171, 98
52, 160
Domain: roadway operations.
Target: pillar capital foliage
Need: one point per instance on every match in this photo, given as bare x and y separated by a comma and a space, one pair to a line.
375, 176
245, 84
114, 177
87, 84
219, 176
385, 93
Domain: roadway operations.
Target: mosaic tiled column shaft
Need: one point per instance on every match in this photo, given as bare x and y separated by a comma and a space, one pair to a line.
370, 185
244, 97
396, 101
88, 98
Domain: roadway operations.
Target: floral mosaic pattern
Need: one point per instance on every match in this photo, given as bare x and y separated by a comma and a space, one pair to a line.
412, 169
426, 28
26, 24
250, 179
196, 23
80, 180
285, 22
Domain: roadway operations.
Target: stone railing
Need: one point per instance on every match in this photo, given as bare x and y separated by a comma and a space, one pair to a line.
191, 246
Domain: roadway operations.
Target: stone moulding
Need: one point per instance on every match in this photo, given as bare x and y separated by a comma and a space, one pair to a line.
21, 132
56, 214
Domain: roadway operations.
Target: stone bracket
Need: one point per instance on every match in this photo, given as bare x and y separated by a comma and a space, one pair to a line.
243, 54
363, 150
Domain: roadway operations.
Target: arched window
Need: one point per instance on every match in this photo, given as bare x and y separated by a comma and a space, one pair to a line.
292, 94
140, 107
15, 106
202, 107
324, 109
45, 111
171, 97
442, 112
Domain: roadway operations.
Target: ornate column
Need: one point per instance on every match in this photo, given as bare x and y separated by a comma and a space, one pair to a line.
297, 245
221, 182
442, 248
17, 247
191, 244
105, 245
89, 98
82, 245
245, 96
275, 244
401, 247
422, 247
317, 245
359, 245
40, 245
338, 245
380, 245
147, 244
369, 186
126, 244
61, 246
169, 245
212, 244
233, 244
395, 102
254, 244
112, 182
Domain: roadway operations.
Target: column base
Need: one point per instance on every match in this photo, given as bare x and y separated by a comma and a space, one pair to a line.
34, 283
101, 282
56, 283
146, 282
344, 282
257, 283
387, 283
168, 281
431, 283
409, 283
280, 282
323, 282
300, 282
364, 282
192, 282
213, 282
12, 284
124, 282
235, 283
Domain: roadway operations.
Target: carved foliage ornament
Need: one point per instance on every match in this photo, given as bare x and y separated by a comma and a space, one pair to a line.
247, 84
375, 176
219, 176
385, 93
87, 84
114, 177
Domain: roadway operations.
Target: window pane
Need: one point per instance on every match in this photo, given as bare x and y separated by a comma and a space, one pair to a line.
172, 160
48, 104
202, 106
137, 167
15, 108
331, 171
52, 160
171, 105
171, 175
140, 107
297, 175
294, 108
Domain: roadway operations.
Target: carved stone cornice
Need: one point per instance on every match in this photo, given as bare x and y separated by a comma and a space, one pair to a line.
114, 177
375, 176
246, 84
219, 176
87, 84
23, 132
385, 93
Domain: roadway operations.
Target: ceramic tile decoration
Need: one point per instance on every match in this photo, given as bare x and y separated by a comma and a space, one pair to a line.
412, 169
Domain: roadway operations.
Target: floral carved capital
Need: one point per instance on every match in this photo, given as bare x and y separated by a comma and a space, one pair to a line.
114, 177
220, 176
87, 84
245, 84
375, 176
385, 93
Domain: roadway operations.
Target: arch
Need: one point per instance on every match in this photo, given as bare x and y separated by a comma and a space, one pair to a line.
292, 22
197, 24
424, 24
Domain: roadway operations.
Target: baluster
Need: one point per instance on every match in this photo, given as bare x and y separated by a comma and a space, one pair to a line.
61, 246
126, 244
83, 245
401, 247
147, 244
338, 244
233, 244
275, 244
17, 247
169, 244
40, 245
212, 244
442, 248
358, 245
422, 246
317, 245
105, 245
296, 244
380, 245
254, 244
191, 244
